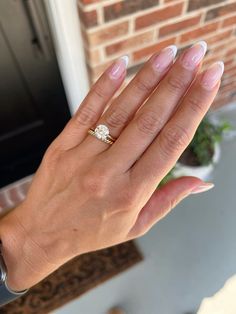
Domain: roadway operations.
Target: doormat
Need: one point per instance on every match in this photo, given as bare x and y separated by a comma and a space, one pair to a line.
75, 278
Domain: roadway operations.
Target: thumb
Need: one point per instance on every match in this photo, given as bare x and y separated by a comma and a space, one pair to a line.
164, 199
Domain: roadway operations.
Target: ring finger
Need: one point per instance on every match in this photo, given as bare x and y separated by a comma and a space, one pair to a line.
128, 102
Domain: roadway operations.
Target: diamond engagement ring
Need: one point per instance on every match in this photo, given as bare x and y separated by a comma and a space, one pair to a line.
101, 132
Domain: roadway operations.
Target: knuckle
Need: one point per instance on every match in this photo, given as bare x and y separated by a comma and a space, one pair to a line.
143, 86
196, 105
149, 122
170, 204
144, 230
176, 83
99, 91
117, 117
53, 153
173, 139
126, 199
86, 116
53, 159
95, 182
94, 186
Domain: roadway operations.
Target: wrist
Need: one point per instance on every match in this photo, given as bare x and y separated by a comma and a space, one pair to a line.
25, 261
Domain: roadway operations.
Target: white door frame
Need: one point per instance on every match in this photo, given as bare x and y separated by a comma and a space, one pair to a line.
64, 22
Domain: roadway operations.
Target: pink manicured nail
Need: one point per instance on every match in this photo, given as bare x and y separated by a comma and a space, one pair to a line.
202, 188
118, 68
164, 58
193, 56
212, 75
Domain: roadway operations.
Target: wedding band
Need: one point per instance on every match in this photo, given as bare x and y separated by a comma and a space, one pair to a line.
101, 132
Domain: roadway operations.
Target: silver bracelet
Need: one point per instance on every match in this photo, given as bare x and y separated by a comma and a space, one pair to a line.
6, 294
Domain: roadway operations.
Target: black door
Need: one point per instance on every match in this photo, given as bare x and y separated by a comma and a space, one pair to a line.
33, 106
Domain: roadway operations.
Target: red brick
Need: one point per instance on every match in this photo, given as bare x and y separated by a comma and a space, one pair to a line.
84, 34
226, 90
218, 49
199, 32
229, 21
231, 52
229, 63
222, 36
147, 51
158, 15
220, 11
89, 18
123, 8
220, 102
108, 33
229, 84
228, 87
178, 26
209, 60
98, 70
231, 72
197, 4
228, 81
227, 94
93, 56
130, 43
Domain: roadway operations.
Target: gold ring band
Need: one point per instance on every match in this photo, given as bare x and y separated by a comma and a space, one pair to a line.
92, 132
101, 132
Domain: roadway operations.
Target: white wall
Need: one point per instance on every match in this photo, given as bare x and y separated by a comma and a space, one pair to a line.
65, 26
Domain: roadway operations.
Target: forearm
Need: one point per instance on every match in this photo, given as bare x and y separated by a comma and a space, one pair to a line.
25, 261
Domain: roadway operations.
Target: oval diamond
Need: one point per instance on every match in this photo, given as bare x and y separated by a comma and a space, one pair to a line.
101, 131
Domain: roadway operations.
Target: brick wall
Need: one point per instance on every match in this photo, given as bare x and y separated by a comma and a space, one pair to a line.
138, 28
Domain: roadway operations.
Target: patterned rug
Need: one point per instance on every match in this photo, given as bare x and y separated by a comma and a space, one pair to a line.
75, 278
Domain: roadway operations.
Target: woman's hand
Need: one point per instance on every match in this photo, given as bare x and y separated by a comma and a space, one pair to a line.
88, 195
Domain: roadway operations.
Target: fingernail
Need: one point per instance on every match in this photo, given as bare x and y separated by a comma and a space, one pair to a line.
212, 75
193, 56
118, 68
164, 58
202, 188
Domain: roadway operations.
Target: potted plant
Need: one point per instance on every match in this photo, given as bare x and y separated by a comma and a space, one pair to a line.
203, 152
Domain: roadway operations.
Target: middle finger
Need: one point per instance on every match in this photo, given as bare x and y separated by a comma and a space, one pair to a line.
152, 117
